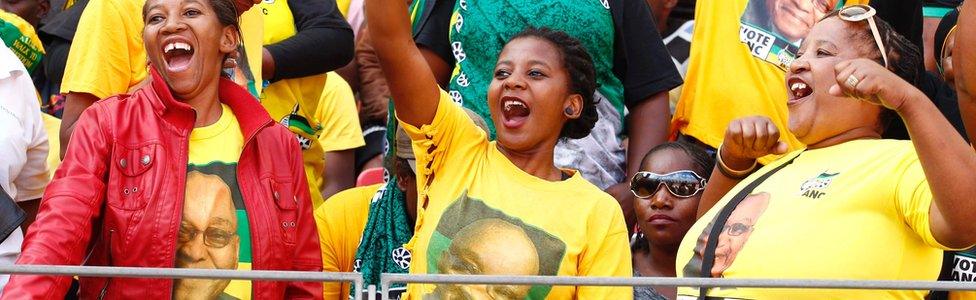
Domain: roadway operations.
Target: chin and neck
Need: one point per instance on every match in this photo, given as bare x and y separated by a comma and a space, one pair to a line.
204, 101
536, 161
859, 133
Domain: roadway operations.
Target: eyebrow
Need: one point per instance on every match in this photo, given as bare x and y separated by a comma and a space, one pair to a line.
531, 62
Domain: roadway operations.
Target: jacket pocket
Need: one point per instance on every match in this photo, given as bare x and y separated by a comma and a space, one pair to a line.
134, 175
286, 204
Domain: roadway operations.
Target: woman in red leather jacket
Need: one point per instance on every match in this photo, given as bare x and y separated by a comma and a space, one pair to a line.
186, 172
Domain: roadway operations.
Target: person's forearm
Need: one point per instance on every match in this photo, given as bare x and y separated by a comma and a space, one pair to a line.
718, 186
30, 210
442, 70
412, 85
648, 125
303, 55
967, 108
74, 105
339, 172
948, 163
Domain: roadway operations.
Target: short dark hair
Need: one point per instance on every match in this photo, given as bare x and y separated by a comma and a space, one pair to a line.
582, 74
225, 10
904, 58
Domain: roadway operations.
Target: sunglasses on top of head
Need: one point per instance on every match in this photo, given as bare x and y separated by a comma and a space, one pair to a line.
858, 13
681, 184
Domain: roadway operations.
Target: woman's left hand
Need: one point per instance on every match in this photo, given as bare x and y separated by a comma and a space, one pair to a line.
865, 79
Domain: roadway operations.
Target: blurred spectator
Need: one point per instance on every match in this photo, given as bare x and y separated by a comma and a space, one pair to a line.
943, 45
736, 64
363, 229
961, 266
57, 32
853, 74
932, 13
965, 63
668, 188
23, 147
634, 72
677, 33
295, 63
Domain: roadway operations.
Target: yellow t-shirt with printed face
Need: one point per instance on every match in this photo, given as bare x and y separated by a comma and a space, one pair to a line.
484, 215
305, 105
214, 232
341, 221
726, 77
108, 57
858, 210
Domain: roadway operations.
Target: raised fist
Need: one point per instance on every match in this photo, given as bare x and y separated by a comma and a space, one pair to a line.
748, 139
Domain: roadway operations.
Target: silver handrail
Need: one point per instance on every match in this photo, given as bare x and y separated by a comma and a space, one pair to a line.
387, 279
93, 271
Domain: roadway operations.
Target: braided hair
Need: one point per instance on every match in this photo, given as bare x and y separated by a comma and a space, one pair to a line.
582, 76
904, 58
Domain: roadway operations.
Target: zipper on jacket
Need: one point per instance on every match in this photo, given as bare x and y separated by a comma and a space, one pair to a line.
101, 295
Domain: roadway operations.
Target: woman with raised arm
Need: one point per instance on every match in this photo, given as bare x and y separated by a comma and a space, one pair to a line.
851, 205
186, 172
503, 208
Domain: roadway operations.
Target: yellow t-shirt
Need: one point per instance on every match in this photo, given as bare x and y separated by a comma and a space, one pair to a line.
214, 232
339, 116
52, 125
725, 81
484, 215
343, 6
304, 105
108, 57
341, 221
858, 210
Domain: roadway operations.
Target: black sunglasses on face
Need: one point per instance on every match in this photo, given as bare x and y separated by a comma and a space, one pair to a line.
681, 184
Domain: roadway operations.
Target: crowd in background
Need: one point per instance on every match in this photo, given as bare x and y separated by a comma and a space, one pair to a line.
649, 138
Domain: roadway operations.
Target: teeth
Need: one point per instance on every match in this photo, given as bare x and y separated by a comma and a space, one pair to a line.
509, 104
177, 46
798, 86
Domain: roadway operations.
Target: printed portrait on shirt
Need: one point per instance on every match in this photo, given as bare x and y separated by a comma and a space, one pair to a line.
474, 239
735, 234
773, 29
209, 235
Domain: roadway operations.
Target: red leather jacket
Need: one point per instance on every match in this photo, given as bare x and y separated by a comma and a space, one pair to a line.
117, 198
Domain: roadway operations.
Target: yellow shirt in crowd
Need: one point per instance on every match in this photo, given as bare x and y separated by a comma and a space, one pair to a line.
213, 210
858, 210
484, 215
341, 221
107, 55
319, 109
725, 82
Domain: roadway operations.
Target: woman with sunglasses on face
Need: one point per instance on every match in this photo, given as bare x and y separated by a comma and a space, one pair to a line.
668, 187
851, 205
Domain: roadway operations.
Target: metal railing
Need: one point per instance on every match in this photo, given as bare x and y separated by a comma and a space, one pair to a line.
387, 280
90, 271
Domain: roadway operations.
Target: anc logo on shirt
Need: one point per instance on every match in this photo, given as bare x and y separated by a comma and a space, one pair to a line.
302, 129
816, 187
